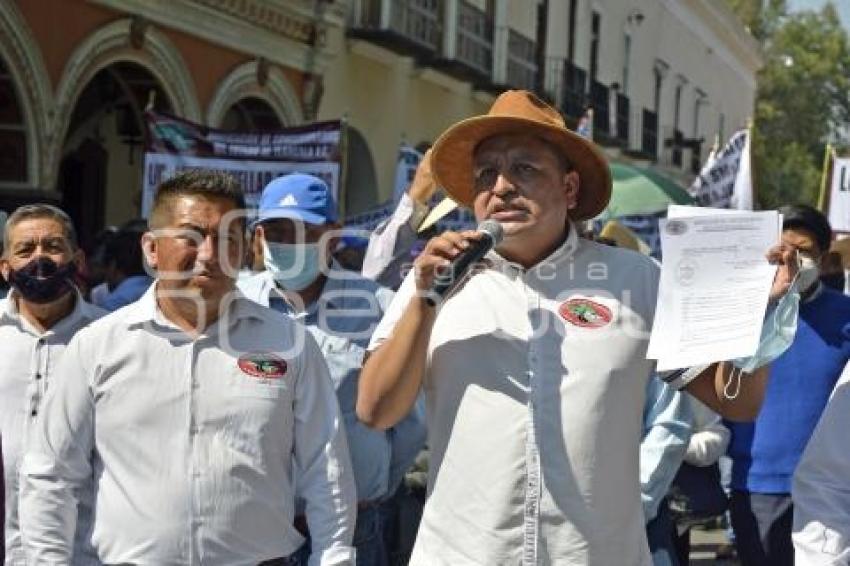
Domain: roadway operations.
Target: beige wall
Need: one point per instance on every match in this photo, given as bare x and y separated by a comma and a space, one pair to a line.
390, 100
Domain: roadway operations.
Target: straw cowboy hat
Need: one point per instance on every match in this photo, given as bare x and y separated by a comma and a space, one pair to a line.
520, 112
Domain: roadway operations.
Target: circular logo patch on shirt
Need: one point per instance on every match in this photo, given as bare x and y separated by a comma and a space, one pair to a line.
267, 366
585, 313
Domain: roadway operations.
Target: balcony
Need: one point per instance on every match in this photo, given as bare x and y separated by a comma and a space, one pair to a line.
676, 153
408, 26
566, 87
696, 163
695, 145
600, 101
474, 40
649, 139
522, 66
674, 143
623, 112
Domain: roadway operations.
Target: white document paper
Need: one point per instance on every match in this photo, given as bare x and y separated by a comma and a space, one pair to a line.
684, 211
715, 284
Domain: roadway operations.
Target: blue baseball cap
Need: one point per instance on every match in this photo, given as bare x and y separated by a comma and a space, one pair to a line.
297, 196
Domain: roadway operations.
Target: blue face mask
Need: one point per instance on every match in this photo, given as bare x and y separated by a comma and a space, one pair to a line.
293, 266
778, 331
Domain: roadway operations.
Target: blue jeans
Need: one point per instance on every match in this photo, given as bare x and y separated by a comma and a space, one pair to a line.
368, 540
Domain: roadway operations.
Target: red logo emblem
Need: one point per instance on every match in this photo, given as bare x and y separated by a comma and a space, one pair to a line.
267, 366
585, 313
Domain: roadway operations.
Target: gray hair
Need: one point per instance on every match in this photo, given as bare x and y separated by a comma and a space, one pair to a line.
39, 210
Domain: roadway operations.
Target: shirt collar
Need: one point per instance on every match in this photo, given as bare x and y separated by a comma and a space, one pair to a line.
563, 252
146, 309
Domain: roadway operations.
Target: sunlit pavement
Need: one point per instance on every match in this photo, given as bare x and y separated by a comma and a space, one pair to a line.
704, 544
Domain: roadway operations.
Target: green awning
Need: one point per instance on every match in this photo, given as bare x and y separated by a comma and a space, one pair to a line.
639, 190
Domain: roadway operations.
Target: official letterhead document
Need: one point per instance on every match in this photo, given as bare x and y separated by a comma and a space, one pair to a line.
714, 287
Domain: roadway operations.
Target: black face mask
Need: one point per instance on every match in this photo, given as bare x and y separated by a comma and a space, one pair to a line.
42, 281
834, 280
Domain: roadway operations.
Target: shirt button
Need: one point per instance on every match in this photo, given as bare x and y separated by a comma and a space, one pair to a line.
38, 376
41, 341
34, 413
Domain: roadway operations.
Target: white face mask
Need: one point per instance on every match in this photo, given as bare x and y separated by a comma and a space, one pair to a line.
808, 274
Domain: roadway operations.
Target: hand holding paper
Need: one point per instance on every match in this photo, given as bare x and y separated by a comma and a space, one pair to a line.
715, 284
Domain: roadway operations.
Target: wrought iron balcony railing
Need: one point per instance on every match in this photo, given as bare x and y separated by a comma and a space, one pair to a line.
649, 140
415, 22
522, 66
474, 38
623, 113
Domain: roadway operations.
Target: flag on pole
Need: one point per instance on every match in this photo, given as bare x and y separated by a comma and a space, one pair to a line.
725, 180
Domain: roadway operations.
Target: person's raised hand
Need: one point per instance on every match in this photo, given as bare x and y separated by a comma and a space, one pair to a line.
423, 185
785, 257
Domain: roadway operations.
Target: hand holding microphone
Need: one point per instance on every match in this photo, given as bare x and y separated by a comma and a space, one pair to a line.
448, 257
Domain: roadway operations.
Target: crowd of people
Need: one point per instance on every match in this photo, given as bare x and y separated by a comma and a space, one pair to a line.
216, 387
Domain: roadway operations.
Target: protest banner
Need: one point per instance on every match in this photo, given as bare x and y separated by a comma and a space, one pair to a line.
174, 145
834, 198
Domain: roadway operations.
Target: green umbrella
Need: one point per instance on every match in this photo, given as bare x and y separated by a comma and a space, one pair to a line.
638, 190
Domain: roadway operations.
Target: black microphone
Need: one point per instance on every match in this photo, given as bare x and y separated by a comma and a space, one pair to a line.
492, 233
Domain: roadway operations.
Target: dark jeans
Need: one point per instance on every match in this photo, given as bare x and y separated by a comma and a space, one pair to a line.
400, 516
659, 535
368, 540
762, 525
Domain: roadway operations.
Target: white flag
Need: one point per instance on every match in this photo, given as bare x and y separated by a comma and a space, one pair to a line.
725, 180
742, 193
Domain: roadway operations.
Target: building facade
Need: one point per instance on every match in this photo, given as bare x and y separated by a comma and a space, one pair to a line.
664, 77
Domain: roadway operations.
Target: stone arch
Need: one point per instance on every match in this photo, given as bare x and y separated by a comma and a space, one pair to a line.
112, 44
242, 83
19, 50
361, 183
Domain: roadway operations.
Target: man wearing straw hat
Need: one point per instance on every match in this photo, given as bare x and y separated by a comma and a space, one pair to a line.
534, 368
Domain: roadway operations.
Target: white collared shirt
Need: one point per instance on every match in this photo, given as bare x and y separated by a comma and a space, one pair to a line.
29, 359
193, 444
341, 320
821, 489
535, 393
